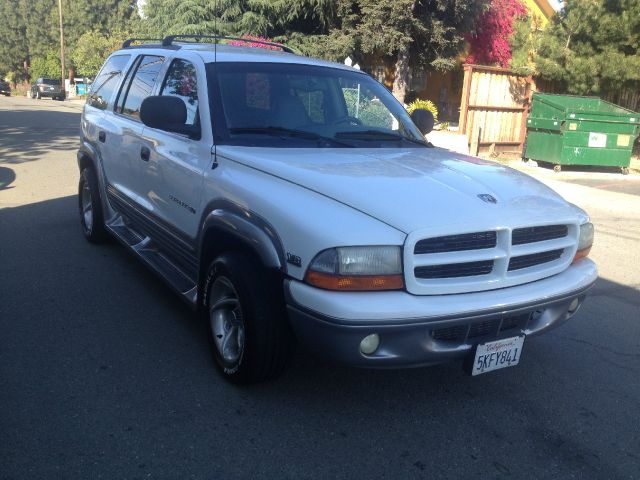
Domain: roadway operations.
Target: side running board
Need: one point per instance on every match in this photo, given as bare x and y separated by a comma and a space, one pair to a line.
143, 247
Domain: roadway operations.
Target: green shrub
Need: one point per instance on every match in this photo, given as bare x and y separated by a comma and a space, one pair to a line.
47, 67
426, 104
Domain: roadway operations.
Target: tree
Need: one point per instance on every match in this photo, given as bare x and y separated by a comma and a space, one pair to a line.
14, 53
42, 27
413, 32
592, 47
92, 49
47, 66
206, 17
104, 16
29, 28
416, 33
489, 45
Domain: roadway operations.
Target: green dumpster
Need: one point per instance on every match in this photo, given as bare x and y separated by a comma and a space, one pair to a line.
572, 130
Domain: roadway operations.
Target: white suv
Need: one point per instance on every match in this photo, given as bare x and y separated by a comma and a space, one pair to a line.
291, 198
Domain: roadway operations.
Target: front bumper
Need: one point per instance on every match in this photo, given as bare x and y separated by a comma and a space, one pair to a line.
425, 330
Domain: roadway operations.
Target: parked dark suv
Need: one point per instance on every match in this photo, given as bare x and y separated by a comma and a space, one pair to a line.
47, 87
5, 89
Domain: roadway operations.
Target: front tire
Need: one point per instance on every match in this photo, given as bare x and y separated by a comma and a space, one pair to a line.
91, 217
249, 336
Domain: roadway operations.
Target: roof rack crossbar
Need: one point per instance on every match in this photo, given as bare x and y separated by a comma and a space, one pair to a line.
167, 41
129, 41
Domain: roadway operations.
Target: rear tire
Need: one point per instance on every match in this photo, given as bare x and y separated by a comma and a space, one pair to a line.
90, 206
249, 335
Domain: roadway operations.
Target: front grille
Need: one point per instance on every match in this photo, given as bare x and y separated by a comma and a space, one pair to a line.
521, 236
456, 243
450, 262
486, 329
525, 261
451, 270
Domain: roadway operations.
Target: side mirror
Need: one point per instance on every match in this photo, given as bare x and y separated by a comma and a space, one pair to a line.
423, 119
167, 113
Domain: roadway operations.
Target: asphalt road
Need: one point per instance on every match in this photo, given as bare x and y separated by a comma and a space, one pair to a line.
105, 374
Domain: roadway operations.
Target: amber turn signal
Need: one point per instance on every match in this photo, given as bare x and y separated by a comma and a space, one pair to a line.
354, 282
580, 254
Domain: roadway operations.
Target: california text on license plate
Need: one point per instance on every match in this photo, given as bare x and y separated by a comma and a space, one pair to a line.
498, 354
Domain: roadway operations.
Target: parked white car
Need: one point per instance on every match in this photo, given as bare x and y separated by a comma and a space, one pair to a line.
291, 198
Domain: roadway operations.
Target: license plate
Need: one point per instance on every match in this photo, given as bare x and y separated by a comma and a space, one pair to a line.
498, 354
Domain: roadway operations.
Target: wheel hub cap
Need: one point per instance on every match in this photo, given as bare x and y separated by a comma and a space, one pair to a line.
87, 208
225, 316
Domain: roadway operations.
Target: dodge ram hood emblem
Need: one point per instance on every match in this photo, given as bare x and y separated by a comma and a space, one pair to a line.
485, 197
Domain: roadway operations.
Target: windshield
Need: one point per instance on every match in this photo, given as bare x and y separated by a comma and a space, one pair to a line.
280, 104
50, 81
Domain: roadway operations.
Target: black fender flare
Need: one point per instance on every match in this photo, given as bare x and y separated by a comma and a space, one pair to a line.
87, 150
248, 228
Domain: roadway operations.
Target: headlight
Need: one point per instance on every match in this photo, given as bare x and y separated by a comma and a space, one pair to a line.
584, 241
357, 268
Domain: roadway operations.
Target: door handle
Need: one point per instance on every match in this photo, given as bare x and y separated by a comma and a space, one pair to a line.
145, 153
102, 136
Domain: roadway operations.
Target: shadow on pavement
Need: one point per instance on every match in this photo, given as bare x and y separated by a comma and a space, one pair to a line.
101, 363
7, 177
48, 130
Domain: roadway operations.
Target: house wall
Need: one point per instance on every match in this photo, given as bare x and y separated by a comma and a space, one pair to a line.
541, 10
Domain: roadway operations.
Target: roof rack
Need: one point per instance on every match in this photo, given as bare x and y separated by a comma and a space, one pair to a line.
127, 43
167, 41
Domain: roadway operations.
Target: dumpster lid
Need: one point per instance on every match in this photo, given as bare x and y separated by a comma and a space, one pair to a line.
584, 104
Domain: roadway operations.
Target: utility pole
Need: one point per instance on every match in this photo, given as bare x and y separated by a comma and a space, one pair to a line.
63, 76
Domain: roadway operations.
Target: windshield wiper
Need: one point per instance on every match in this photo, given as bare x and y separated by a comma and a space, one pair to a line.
379, 135
291, 132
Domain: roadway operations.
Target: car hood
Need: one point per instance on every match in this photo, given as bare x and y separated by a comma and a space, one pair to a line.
414, 188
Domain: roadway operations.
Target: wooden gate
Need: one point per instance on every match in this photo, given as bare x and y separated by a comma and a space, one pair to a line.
494, 107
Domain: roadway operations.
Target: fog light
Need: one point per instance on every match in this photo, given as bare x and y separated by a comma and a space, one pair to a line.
573, 306
370, 344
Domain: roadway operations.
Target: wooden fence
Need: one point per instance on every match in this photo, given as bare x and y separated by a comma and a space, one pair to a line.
628, 97
494, 107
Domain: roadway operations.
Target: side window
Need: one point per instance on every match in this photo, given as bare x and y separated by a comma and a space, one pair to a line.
106, 82
141, 85
364, 105
181, 82
313, 102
